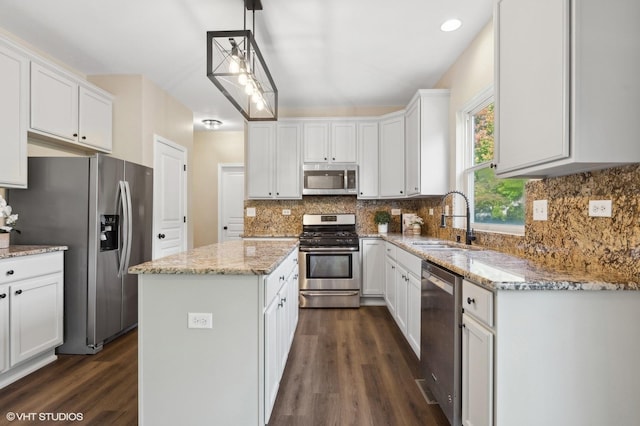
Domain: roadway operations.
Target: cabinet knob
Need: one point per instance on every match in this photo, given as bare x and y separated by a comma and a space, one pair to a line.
470, 300
84, 138
225, 228
75, 135
161, 236
401, 192
3, 295
18, 291
493, 165
277, 193
325, 158
282, 277
334, 158
10, 272
269, 193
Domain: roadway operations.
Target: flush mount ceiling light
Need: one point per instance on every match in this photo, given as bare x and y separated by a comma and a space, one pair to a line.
212, 124
236, 66
451, 25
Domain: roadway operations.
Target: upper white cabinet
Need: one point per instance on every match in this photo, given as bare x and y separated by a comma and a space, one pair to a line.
392, 156
14, 103
426, 143
63, 108
330, 142
567, 96
273, 160
368, 160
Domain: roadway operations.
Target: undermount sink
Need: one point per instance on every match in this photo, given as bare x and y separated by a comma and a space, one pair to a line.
434, 245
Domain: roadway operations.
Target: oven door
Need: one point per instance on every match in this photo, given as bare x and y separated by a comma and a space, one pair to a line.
329, 270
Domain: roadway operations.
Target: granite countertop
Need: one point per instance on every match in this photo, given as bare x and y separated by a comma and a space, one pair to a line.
244, 257
17, 250
498, 271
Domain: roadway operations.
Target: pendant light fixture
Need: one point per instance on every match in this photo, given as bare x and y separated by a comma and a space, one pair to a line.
236, 66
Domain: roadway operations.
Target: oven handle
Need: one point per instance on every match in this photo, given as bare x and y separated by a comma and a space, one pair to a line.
330, 293
336, 250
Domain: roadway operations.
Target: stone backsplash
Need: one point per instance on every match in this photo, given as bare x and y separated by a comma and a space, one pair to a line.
568, 238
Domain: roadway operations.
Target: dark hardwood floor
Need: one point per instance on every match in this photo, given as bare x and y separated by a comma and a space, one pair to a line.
346, 367
102, 387
351, 367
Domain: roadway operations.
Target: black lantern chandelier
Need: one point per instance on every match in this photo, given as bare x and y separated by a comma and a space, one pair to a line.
236, 66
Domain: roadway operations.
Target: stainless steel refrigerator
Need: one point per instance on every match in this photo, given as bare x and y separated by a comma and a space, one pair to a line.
100, 207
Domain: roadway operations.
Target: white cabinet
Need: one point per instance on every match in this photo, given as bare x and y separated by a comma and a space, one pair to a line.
273, 160
330, 142
280, 321
31, 309
391, 172
477, 356
427, 143
4, 328
555, 115
368, 162
64, 108
14, 110
403, 292
373, 256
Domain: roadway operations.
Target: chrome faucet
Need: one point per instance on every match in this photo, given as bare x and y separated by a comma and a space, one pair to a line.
469, 236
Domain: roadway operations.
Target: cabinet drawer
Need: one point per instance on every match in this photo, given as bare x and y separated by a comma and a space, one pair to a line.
390, 249
21, 268
477, 302
410, 261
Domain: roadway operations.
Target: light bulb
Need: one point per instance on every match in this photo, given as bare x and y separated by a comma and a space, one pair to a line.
451, 25
249, 88
242, 78
256, 97
260, 104
234, 67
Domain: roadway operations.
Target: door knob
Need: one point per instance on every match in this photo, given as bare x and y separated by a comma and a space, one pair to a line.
224, 227
161, 236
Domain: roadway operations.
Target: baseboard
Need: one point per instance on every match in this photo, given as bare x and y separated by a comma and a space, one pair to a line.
18, 372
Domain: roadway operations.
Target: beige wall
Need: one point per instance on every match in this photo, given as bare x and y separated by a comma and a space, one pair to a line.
469, 75
211, 149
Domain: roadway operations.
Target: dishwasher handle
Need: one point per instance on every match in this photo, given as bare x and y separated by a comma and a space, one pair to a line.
443, 285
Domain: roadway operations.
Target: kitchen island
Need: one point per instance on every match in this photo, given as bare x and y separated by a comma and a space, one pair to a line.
541, 344
215, 326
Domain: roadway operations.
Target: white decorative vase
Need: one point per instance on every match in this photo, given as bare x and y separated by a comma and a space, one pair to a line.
382, 228
4, 240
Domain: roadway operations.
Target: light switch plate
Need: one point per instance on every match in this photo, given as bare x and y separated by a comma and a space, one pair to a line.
251, 212
286, 212
395, 212
540, 209
600, 208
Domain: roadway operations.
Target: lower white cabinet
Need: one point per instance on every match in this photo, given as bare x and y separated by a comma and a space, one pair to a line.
403, 292
31, 313
373, 265
280, 321
477, 356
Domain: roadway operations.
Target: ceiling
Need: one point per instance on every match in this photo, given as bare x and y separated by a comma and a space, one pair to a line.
321, 53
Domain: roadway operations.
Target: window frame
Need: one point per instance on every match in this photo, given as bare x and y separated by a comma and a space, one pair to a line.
464, 163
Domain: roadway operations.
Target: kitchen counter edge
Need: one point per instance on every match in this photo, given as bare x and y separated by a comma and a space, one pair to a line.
28, 250
243, 257
506, 272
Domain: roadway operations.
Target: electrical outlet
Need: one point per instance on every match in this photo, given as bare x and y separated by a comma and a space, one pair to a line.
540, 209
251, 212
286, 212
430, 212
200, 320
396, 212
600, 208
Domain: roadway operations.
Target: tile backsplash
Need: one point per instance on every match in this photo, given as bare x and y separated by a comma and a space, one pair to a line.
568, 238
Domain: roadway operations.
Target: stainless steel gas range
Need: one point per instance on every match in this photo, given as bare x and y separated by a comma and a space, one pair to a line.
329, 259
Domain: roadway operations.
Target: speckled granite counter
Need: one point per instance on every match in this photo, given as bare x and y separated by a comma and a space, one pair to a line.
17, 251
247, 257
498, 271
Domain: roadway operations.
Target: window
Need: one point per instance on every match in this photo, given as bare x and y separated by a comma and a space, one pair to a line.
496, 204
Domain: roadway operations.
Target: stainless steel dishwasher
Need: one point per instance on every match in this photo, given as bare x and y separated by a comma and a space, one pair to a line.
440, 338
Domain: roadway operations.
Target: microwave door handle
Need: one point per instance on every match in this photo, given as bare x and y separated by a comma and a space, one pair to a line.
346, 179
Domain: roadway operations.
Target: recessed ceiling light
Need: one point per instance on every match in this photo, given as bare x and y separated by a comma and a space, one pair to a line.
451, 25
212, 124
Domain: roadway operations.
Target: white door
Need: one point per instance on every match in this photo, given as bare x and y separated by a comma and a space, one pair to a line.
169, 198
230, 202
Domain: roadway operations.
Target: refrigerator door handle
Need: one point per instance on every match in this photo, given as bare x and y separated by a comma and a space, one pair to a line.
125, 227
129, 221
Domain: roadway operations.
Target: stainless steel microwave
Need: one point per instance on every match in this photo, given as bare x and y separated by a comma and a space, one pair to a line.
330, 179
